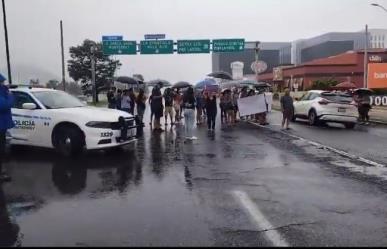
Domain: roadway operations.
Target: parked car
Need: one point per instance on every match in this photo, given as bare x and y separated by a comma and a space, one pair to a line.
55, 119
323, 106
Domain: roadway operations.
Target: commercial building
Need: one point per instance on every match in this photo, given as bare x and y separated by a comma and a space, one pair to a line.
347, 66
378, 38
335, 43
326, 45
273, 53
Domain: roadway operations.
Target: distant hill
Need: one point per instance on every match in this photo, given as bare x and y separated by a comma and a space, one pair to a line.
22, 74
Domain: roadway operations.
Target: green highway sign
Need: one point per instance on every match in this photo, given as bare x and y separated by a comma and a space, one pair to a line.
193, 46
119, 47
228, 45
156, 47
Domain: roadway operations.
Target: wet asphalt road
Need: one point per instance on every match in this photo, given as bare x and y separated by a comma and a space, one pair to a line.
246, 186
365, 141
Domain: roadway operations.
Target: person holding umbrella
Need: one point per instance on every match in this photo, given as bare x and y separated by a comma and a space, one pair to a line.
363, 100
211, 110
118, 99
223, 114
6, 122
156, 100
112, 101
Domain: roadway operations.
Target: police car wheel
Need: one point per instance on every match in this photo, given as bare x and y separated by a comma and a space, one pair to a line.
69, 141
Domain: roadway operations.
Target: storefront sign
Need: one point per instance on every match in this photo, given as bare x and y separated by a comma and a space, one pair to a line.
278, 74
379, 100
377, 75
375, 59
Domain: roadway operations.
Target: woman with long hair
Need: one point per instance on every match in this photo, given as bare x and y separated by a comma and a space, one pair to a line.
141, 105
157, 108
189, 104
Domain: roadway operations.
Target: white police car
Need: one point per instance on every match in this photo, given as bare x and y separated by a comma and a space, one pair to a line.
55, 119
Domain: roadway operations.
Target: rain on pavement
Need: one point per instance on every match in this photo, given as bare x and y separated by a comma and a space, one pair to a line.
164, 192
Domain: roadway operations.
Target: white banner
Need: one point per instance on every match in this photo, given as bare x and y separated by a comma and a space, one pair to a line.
255, 104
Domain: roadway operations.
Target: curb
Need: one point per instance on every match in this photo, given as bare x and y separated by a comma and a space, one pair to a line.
371, 121
321, 146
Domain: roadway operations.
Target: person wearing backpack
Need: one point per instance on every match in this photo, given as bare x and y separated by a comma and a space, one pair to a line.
168, 101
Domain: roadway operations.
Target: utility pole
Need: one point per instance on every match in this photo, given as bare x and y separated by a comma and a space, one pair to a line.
94, 87
256, 60
366, 58
6, 44
63, 60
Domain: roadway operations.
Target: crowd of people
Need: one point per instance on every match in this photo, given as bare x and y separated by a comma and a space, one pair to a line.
190, 105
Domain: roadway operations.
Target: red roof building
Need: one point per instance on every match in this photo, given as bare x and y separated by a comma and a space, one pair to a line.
343, 67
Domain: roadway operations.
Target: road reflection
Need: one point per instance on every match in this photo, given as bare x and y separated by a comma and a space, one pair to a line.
68, 178
9, 231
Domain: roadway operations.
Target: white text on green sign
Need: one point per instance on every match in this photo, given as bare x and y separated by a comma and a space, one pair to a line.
119, 47
193, 46
228, 45
156, 47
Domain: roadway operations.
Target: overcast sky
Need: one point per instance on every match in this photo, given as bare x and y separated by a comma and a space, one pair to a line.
35, 42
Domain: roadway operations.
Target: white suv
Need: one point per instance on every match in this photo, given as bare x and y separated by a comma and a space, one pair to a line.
322, 106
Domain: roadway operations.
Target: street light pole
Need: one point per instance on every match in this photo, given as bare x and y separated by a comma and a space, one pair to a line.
379, 6
256, 60
63, 62
366, 58
6, 44
94, 87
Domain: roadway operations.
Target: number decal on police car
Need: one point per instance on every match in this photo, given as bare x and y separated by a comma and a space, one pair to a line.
106, 134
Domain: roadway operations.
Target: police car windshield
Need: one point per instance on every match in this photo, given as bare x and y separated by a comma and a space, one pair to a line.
57, 100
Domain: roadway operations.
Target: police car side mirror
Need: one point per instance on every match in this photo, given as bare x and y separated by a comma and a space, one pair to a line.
29, 106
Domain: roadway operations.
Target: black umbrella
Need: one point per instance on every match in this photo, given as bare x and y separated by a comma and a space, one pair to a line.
181, 84
227, 90
138, 77
261, 84
127, 80
159, 82
363, 91
221, 75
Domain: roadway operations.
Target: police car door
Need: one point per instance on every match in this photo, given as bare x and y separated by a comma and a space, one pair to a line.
28, 123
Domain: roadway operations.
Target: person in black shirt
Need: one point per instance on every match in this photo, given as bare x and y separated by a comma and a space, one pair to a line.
168, 100
189, 105
118, 99
112, 102
156, 100
211, 110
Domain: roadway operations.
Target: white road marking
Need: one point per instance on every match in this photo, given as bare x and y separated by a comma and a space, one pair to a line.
259, 219
318, 145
